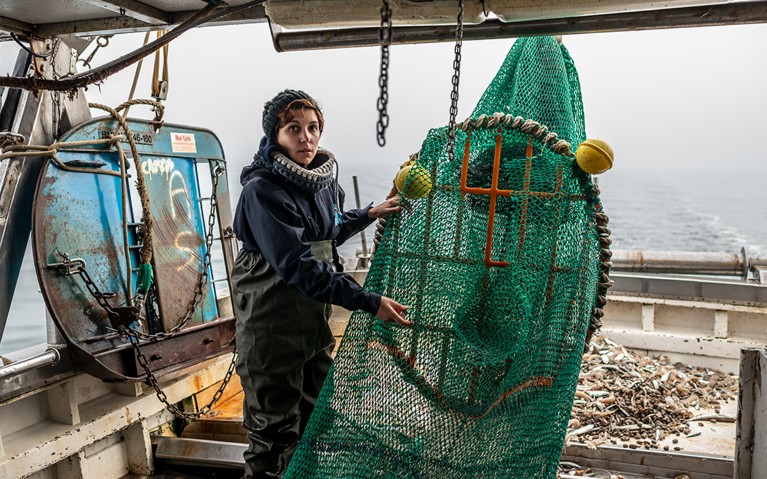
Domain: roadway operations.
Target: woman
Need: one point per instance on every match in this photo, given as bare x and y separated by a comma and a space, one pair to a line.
289, 218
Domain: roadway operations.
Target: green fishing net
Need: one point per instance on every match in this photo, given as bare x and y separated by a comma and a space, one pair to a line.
482, 385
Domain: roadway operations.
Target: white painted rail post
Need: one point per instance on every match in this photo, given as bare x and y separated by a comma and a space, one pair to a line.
751, 449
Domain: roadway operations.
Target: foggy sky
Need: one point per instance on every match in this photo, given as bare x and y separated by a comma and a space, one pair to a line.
663, 99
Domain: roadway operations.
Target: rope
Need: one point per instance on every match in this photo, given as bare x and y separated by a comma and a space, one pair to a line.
136, 76
146, 215
12, 149
15, 150
156, 73
531, 127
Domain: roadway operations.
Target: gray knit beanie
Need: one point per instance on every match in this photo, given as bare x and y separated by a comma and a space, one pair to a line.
273, 107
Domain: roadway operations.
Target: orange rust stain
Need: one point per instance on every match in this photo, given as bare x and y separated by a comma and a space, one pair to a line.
197, 380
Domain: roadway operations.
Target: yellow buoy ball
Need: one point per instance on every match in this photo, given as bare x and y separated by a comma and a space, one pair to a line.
594, 156
413, 182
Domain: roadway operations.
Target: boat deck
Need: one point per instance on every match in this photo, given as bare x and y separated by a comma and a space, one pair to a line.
707, 449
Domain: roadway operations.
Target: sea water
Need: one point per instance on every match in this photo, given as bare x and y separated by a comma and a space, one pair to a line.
660, 210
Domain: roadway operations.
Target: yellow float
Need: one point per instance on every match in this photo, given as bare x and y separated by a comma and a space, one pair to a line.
594, 156
413, 181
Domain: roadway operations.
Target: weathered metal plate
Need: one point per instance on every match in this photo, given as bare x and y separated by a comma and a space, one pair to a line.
178, 237
80, 214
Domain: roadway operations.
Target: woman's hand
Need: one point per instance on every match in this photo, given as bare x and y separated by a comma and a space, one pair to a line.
390, 310
388, 207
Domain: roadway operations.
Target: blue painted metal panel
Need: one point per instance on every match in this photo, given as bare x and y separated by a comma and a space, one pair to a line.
81, 218
79, 213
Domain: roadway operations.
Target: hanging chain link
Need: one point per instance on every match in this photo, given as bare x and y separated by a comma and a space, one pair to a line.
455, 81
55, 51
384, 38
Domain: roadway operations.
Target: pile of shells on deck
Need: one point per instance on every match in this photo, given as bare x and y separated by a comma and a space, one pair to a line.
624, 397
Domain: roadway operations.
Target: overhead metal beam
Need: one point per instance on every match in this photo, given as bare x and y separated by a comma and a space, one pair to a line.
15, 26
99, 26
131, 8
714, 15
143, 20
124, 24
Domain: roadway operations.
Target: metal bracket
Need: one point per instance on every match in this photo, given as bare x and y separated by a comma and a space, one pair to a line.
275, 31
70, 266
162, 93
760, 273
73, 54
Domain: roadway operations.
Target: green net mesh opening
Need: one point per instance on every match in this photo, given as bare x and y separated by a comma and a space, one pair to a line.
482, 385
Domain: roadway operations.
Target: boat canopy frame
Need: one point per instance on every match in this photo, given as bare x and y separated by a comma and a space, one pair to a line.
33, 18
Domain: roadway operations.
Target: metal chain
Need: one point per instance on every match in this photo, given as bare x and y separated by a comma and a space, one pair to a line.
152, 380
204, 275
217, 171
384, 38
77, 266
54, 52
455, 81
135, 336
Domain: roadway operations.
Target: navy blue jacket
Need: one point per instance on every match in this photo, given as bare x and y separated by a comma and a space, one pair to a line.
279, 220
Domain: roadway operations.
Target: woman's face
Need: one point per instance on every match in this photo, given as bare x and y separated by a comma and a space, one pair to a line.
300, 137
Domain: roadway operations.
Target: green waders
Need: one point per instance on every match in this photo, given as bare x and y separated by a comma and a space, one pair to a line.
284, 345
